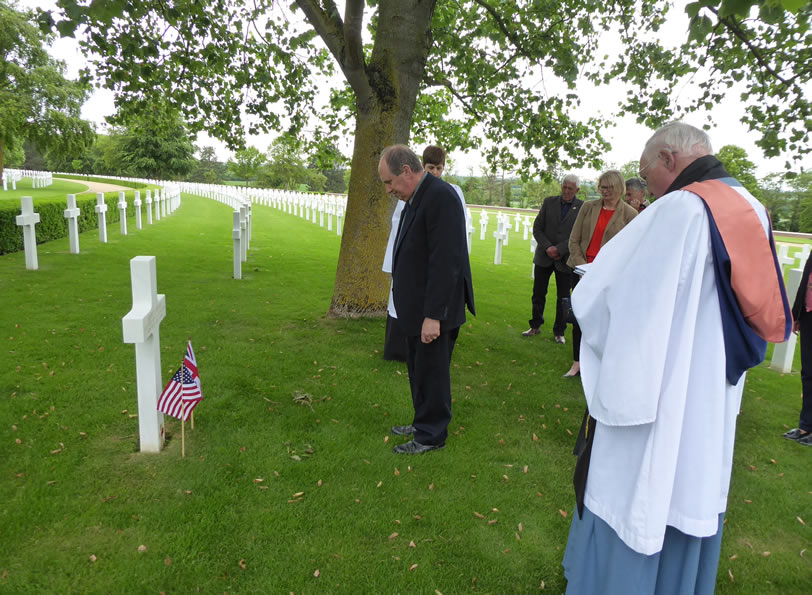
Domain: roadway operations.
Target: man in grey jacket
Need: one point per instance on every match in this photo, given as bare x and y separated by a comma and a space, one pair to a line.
552, 231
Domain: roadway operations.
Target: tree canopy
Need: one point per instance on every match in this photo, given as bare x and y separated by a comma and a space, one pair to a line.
458, 73
37, 102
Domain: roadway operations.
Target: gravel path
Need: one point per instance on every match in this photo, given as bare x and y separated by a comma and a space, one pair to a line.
96, 186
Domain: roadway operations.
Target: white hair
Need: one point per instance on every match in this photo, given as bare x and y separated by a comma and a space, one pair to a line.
680, 137
570, 178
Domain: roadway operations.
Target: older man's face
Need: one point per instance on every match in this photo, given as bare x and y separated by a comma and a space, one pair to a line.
568, 191
400, 185
654, 170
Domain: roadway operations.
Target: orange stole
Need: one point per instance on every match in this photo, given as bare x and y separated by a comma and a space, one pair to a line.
753, 275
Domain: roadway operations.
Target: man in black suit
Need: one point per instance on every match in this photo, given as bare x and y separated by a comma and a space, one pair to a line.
431, 284
552, 229
802, 315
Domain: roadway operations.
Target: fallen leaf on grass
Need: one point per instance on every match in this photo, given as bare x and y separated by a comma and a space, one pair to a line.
168, 561
242, 563
479, 515
733, 557
542, 585
492, 522
258, 480
393, 536
317, 574
18, 441
746, 501
518, 537
730, 574
411, 544
563, 513
142, 548
431, 487
535, 437
773, 461
92, 557
800, 520
525, 468
520, 528
298, 495
385, 439
319, 483
380, 483
752, 467
765, 554
396, 471
412, 567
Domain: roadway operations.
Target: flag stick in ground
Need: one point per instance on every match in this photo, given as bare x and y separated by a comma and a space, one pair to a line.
183, 433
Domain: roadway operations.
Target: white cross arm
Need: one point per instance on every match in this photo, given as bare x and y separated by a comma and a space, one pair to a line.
141, 321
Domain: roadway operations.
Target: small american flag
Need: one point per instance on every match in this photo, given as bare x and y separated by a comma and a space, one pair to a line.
182, 394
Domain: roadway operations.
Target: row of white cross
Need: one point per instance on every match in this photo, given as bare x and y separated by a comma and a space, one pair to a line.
11, 176
166, 201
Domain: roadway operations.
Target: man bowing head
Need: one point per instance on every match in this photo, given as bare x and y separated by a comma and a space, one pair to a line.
431, 286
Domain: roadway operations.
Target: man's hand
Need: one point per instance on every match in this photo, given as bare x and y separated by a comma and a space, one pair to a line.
796, 326
431, 330
552, 252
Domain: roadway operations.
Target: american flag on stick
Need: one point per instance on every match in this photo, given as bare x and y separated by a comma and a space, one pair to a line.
182, 394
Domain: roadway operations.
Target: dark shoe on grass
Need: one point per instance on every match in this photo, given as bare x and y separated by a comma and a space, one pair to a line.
806, 439
413, 447
403, 430
531, 332
796, 434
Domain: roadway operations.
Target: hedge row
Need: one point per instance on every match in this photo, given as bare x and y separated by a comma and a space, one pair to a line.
101, 180
52, 224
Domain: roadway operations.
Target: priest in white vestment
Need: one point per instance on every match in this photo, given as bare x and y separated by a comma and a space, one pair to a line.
658, 472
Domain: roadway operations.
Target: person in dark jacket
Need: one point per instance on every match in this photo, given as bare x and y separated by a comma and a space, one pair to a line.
551, 230
802, 315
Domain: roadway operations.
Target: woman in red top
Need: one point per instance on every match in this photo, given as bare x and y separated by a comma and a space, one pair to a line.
598, 222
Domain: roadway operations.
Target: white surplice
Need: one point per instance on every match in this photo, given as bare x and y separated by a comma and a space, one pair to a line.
653, 370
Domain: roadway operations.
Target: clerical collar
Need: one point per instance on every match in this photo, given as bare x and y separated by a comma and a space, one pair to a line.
704, 168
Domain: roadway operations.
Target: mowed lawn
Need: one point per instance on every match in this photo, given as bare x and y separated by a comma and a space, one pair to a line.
289, 483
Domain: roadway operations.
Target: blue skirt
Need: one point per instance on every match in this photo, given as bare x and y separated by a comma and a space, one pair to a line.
597, 561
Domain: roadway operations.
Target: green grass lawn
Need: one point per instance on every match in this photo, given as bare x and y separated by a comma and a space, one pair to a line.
279, 496
58, 190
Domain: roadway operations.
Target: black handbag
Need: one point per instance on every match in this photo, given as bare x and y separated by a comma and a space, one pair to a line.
566, 309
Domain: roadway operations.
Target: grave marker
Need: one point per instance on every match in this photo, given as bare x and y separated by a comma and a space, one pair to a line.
72, 215
148, 200
500, 234
244, 232
101, 210
483, 223
122, 213
137, 205
27, 219
157, 202
236, 234
140, 326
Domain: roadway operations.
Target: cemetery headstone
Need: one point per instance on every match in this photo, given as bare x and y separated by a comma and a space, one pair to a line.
72, 215
148, 201
236, 234
140, 326
27, 219
137, 205
101, 211
122, 213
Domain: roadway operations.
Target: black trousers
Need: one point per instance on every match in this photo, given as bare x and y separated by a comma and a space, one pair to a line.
394, 344
541, 281
430, 380
805, 332
576, 329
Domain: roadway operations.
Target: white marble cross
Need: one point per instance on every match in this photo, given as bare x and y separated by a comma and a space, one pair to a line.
148, 201
330, 209
339, 218
527, 226
244, 232
506, 228
517, 219
72, 215
137, 205
236, 234
500, 234
157, 202
101, 210
27, 220
804, 254
122, 213
5, 184
784, 258
321, 213
141, 326
483, 223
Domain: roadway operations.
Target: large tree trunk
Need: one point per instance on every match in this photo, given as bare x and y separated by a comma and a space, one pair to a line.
386, 93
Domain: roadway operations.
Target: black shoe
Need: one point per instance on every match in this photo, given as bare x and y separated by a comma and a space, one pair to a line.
796, 434
806, 439
412, 447
403, 430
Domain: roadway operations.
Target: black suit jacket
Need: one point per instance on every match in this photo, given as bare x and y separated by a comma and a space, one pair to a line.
550, 230
431, 274
799, 307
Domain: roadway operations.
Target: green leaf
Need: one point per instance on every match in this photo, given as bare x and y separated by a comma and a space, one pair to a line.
794, 5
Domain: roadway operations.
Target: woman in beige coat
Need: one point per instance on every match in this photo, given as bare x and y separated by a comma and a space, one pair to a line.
597, 223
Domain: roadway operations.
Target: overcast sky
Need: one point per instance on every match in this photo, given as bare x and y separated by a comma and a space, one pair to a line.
626, 138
